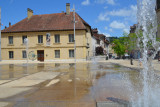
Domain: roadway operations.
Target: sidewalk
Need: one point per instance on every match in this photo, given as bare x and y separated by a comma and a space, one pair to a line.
135, 65
33, 62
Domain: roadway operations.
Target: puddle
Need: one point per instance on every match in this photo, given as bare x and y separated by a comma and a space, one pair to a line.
87, 84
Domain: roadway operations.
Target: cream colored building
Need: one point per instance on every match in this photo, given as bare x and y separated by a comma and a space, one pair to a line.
50, 37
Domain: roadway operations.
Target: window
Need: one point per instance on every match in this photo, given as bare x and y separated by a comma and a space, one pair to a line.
10, 38
57, 38
71, 38
10, 54
57, 53
40, 38
24, 54
71, 53
98, 41
23, 38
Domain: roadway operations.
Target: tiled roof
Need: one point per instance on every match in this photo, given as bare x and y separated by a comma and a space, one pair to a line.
98, 36
95, 30
48, 22
101, 36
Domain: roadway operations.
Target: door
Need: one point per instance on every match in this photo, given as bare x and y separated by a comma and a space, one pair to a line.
40, 55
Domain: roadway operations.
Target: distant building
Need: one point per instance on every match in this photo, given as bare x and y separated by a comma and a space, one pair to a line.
158, 21
134, 48
133, 28
51, 37
100, 40
112, 54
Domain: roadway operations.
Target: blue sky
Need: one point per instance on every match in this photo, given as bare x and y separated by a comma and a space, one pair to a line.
111, 17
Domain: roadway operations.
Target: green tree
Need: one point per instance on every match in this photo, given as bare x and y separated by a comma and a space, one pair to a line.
119, 46
132, 42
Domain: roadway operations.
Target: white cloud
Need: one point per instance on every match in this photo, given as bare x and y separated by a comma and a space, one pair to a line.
124, 12
105, 7
106, 28
11, 1
128, 14
103, 17
111, 30
99, 32
111, 2
100, 1
117, 25
121, 12
86, 2
107, 35
126, 30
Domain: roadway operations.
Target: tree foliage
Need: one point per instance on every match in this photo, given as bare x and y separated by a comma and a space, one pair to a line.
132, 42
99, 50
119, 46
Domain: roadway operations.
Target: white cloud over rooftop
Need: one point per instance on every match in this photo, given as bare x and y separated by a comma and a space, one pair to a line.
85, 2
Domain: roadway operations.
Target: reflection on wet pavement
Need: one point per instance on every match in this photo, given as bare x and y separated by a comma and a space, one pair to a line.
88, 84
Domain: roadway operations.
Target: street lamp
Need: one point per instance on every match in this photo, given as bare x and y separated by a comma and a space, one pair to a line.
0, 35
26, 44
74, 33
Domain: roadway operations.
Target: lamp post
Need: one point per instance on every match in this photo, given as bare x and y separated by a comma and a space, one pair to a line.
74, 33
75, 90
26, 44
0, 35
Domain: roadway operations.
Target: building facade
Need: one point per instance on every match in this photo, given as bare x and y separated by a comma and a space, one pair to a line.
50, 37
158, 22
100, 40
134, 49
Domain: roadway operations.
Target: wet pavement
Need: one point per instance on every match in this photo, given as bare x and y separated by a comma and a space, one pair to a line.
76, 85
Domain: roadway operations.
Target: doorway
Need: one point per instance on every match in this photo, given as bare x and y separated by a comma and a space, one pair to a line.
40, 55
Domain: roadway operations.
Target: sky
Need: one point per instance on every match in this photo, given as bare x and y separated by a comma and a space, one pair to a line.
110, 17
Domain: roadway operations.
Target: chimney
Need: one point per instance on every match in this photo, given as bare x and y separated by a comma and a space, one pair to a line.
30, 13
67, 8
5, 27
9, 24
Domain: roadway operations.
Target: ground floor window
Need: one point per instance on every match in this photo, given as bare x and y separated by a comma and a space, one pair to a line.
24, 54
11, 55
57, 53
71, 53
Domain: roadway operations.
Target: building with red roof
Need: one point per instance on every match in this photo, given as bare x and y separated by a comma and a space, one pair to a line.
50, 37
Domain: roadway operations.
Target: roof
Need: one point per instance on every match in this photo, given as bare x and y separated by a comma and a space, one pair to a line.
98, 36
95, 31
101, 37
48, 22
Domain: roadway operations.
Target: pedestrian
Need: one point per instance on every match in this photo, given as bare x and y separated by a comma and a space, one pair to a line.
131, 58
139, 59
